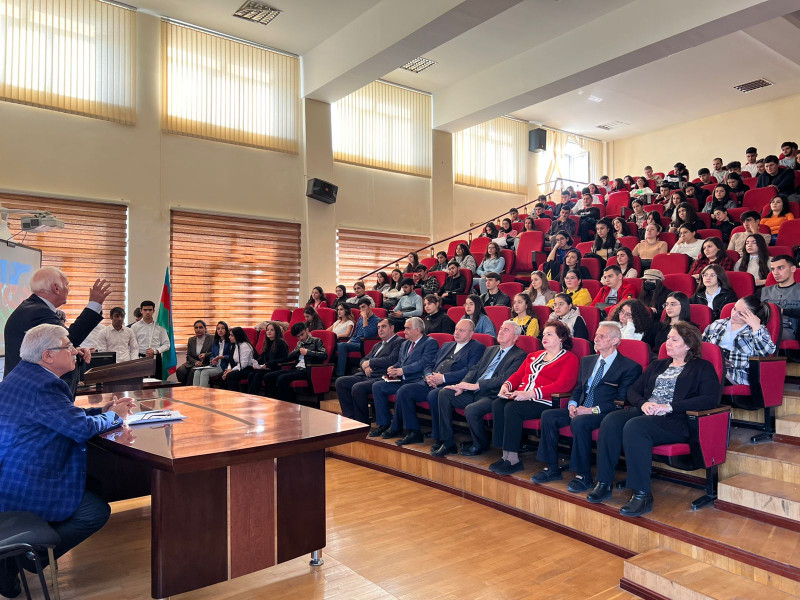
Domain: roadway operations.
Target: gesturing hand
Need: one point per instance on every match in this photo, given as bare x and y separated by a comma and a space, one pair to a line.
99, 291
750, 319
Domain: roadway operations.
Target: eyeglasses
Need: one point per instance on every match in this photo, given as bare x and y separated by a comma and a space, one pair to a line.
670, 304
69, 347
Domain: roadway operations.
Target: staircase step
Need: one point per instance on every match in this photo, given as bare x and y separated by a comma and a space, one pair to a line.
790, 406
769, 500
671, 575
787, 429
767, 459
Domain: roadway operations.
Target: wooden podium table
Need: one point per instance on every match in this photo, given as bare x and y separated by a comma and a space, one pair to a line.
236, 487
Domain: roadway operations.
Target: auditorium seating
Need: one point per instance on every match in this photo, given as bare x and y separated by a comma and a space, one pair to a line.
617, 201
680, 282
757, 199
328, 315
252, 334
628, 241
478, 248
429, 262
670, 238
742, 283
451, 248
456, 313
484, 338
376, 296
511, 289
529, 344
592, 286
591, 315
281, 314
789, 233
670, 263
320, 374
497, 315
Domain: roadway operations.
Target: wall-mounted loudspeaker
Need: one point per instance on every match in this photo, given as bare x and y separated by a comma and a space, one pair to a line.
537, 140
321, 190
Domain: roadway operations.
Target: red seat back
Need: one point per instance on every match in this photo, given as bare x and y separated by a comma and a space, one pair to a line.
705, 219
511, 261
380, 312
789, 233
429, 262
328, 340
659, 208
297, 317
511, 289
734, 255
327, 316
629, 241
442, 338
484, 338
704, 234
701, 315
670, 263
636, 350
680, 282
584, 247
542, 225
554, 285
529, 242
750, 182
529, 344
616, 202
593, 266
440, 276
478, 247
543, 315
330, 298
497, 315
635, 282
456, 313
777, 250
581, 347
252, 334
742, 283
517, 226
591, 315
670, 238
281, 314
467, 274
376, 296
592, 285
291, 341
756, 199
262, 336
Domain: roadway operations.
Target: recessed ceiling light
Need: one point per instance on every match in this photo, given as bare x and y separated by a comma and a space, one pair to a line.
418, 64
753, 85
612, 125
595, 99
257, 12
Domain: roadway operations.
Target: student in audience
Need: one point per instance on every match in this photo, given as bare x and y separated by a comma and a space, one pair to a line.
650, 246
664, 195
422, 280
567, 312
620, 227
629, 182
242, 359
676, 308
773, 175
780, 214
220, 355
755, 260
353, 391
615, 289
454, 285
524, 315
309, 350
648, 173
721, 197
464, 259
653, 294
712, 253
490, 230
474, 311
492, 262
660, 397
493, 295
696, 191
562, 245
625, 262
760, 169
573, 287
441, 262
619, 185
752, 157
588, 215
343, 325
197, 353
513, 214
274, 352
506, 235
526, 394
117, 338
704, 177
563, 202
676, 198
409, 305
436, 319
687, 242
572, 262
360, 291
655, 217
313, 320
605, 182
680, 174
635, 319
714, 290
751, 221
341, 295
564, 224
718, 170
604, 378
740, 336
642, 190
475, 393
392, 295
684, 215
639, 216
528, 225
539, 290
733, 167
381, 282
366, 326
605, 243
317, 298
723, 222
413, 263
789, 150
736, 188
785, 294
539, 211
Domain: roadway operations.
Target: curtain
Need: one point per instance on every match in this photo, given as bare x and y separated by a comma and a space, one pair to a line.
76, 56
384, 126
553, 155
492, 155
220, 89
358, 252
595, 150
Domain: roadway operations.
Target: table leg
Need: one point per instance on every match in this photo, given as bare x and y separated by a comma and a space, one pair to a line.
300, 504
316, 559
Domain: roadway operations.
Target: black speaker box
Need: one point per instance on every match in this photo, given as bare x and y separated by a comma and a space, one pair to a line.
321, 190
537, 140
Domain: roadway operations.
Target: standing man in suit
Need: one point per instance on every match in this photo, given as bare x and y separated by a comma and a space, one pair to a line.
475, 393
604, 378
197, 350
416, 358
354, 390
50, 289
452, 362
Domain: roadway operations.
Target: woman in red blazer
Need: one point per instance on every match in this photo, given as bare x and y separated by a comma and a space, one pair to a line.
526, 394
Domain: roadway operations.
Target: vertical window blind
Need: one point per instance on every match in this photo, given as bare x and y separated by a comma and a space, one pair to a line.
358, 252
234, 274
93, 244
492, 155
384, 126
75, 56
220, 89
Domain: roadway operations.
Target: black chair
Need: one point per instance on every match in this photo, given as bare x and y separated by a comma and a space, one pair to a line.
21, 535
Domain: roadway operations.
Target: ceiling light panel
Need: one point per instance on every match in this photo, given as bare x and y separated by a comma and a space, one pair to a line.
418, 64
257, 12
612, 125
753, 85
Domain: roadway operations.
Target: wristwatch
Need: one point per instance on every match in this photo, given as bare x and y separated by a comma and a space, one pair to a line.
595, 410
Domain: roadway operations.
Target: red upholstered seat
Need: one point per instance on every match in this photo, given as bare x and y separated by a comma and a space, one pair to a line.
484, 338
478, 247
252, 334
591, 315
635, 282
636, 350
529, 242
511, 289
680, 282
705, 218
297, 317
593, 266
670, 238
320, 373
498, 314
511, 262
281, 314
456, 313
592, 285
742, 283
328, 315
789, 233
670, 263
554, 285
756, 199
628, 241
672, 450
467, 274
529, 344
584, 247
616, 202
429, 262
442, 338
581, 347
330, 299
659, 208
376, 296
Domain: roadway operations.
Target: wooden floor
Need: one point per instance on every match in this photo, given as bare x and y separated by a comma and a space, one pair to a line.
387, 538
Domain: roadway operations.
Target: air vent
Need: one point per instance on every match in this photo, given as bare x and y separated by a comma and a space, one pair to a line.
612, 125
753, 85
257, 12
418, 64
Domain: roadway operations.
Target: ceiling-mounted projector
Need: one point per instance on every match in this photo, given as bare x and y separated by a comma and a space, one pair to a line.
40, 222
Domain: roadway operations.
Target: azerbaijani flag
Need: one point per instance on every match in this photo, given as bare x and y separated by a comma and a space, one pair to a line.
169, 359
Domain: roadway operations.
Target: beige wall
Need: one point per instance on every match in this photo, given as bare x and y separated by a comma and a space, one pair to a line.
477, 205
696, 143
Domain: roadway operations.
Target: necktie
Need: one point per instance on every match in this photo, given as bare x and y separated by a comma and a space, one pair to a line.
595, 382
410, 349
493, 365
378, 349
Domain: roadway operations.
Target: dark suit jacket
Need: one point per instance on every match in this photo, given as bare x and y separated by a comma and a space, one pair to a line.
507, 367
191, 349
470, 354
33, 312
614, 384
388, 356
783, 180
697, 388
414, 365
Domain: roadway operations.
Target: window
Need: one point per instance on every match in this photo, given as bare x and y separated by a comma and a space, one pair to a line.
92, 245
574, 164
76, 56
220, 89
384, 126
358, 252
492, 155
238, 273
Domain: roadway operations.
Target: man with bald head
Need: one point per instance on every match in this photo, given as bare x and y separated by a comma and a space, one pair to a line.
50, 289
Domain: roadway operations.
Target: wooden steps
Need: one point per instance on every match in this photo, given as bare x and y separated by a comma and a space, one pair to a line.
767, 459
661, 573
763, 498
790, 406
787, 429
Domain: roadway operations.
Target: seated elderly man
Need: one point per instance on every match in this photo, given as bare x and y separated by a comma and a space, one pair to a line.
43, 439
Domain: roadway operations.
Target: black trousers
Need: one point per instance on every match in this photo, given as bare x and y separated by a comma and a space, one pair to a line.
276, 383
637, 433
582, 427
182, 373
353, 392
475, 406
508, 417
255, 381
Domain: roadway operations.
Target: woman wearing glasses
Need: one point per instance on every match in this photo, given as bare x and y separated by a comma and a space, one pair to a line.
676, 308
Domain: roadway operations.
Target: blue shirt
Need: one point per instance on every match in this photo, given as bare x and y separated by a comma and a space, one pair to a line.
606, 367
370, 331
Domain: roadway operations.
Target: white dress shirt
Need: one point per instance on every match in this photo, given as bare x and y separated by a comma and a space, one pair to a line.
150, 335
123, 342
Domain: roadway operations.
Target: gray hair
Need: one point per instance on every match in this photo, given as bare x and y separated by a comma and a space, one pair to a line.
614, 326
45, 278
517, 329
416, 323
38, 339
469, 323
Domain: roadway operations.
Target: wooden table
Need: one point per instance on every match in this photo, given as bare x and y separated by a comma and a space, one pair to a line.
237, 487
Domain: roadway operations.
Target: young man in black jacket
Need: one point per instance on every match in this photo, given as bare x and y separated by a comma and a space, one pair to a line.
309, 350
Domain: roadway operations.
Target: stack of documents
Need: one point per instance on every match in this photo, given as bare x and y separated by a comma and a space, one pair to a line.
154, 416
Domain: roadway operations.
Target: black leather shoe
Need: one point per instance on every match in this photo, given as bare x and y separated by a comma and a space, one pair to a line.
10, 586
390, 433
547, 474
472, 450
639, 504
580, 484
436, 444
601, 491
444, 450
377, 431
508, 469
412, 437
496, 464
